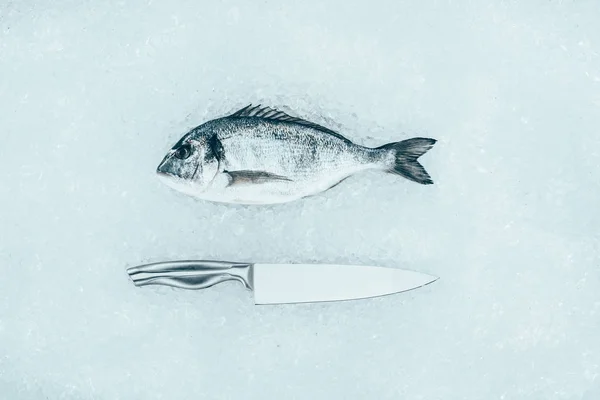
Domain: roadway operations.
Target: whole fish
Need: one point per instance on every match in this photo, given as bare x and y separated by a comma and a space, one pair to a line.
260, 155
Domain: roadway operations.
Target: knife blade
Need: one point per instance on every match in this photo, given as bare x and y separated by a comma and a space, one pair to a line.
283, 283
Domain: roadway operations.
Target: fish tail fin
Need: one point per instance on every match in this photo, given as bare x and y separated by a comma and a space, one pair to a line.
405, 158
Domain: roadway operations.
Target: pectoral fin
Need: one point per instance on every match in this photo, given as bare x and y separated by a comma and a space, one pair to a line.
253, 177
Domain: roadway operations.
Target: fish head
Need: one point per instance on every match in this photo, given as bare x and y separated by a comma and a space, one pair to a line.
189, 166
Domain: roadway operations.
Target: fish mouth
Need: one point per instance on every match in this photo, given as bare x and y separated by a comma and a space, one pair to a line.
161, 170
167, 177
177, 183
164, 173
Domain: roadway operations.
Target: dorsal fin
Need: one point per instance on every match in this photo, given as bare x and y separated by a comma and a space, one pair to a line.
276, 115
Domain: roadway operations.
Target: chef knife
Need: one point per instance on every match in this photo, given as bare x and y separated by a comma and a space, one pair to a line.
283, 283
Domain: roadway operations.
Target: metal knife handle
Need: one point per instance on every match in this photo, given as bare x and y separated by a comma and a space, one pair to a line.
191, 274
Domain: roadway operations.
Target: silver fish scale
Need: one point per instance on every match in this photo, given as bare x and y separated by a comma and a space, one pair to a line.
286, 149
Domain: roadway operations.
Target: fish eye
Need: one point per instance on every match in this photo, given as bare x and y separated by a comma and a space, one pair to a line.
183, 152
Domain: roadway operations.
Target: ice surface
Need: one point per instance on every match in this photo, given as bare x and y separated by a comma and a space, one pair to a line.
92, 95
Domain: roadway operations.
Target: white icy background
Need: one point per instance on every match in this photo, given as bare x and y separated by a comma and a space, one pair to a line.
92, 94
